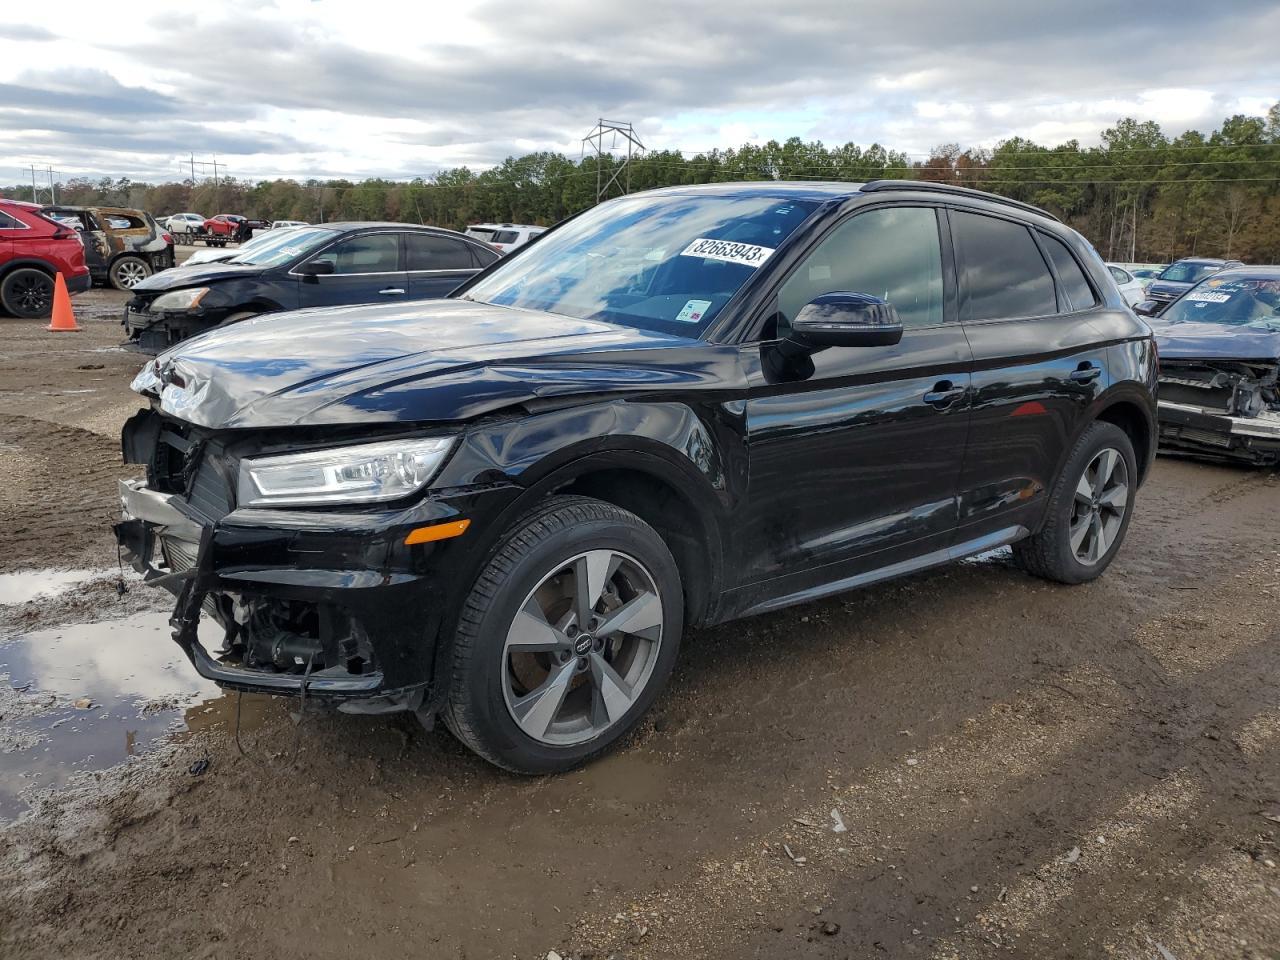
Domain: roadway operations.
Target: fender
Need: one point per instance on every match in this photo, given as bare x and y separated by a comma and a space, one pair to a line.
42, 265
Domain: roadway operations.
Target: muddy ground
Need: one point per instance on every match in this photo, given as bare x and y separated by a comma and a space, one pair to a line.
1022, 770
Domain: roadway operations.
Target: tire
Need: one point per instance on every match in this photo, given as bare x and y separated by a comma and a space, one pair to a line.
594, 688
1089, 510
127, 272
27, 293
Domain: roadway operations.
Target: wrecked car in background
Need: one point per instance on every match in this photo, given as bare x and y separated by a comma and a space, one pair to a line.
1219, 365
1179, 277
121, 246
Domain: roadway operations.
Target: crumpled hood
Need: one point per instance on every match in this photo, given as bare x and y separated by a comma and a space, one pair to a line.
193, 276
1188, 340
436, 360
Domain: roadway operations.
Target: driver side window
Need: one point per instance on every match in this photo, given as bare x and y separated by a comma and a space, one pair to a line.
892, 253
370, 253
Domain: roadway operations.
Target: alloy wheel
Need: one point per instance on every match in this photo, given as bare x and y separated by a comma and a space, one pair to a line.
1101, 499
33, 294
131, 273
582, 647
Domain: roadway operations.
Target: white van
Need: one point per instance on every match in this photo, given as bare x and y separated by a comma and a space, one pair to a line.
504, 237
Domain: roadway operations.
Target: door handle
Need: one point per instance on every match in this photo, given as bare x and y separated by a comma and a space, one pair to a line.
1087, 372
390, 291
943, 394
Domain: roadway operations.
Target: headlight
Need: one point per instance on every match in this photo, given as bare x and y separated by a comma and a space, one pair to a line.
358, 474
179, 299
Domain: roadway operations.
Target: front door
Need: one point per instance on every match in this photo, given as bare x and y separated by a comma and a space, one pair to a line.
856, 453
366, 269
1025, 304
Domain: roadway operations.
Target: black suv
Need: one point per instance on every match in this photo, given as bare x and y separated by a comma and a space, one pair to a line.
330, 265
677, 408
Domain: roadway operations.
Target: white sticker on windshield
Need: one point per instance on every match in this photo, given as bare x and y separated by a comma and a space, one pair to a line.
693, 311
1208, 296
747, 254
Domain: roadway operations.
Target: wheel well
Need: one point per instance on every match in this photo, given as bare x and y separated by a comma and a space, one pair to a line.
1128, 417
26, 265
672, 515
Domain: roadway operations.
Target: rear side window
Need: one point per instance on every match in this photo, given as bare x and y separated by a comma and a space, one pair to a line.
11, 223
483, 256
1070, 275
1120, 275
423, 251
1002, 273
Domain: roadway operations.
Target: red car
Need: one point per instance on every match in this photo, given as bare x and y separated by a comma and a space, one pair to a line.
33, 249
223, 225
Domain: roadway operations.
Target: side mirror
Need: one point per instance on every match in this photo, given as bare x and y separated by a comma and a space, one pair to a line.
847, 320
1147, 308
316, 268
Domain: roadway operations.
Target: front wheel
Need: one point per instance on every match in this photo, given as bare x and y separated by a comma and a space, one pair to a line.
568, 635
1089, 509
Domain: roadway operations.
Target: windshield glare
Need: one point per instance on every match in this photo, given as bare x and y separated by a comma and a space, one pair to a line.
1245, 302
666, 263
276, 249
1188, 272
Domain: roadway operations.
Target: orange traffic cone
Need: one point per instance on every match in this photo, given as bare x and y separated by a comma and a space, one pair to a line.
63, 320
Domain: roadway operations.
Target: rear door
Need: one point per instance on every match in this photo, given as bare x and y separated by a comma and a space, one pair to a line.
366, 269
436, 263
1038, 363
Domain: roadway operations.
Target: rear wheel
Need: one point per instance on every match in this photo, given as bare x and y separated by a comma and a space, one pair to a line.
127, 272
27, 293
566, 639
1089, 509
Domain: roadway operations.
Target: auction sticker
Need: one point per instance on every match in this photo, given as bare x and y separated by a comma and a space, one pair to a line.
747, 254
1209, 296
693, 311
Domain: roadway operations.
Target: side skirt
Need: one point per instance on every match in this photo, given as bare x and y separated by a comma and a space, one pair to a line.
936, 558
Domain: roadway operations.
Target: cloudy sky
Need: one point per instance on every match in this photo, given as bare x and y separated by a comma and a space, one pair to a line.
370, 88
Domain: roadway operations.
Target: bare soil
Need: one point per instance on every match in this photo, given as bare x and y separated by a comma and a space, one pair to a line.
1022, 769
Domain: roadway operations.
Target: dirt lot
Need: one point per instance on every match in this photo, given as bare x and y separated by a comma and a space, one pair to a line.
1022, 770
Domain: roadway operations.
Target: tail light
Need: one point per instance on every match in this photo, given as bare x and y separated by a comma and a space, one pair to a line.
62, 233
166, 238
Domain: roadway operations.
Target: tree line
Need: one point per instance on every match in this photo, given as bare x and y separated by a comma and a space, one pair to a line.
1139, 195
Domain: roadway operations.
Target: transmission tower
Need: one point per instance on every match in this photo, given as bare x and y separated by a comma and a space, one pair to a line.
614, 129
40, 193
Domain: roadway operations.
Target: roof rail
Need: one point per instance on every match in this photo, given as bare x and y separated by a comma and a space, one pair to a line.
874, 185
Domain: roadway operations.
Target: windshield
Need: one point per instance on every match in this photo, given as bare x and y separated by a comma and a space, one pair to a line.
663, 263
1239, 302
274, 249
1188, 272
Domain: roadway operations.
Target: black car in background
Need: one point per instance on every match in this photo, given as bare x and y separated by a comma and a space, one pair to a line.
1179, 277
321, 266
677, 408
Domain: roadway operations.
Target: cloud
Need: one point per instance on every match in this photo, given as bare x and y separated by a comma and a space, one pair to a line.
361, 87
25, 32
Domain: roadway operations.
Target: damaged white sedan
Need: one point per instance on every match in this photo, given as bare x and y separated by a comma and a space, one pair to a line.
1220, 367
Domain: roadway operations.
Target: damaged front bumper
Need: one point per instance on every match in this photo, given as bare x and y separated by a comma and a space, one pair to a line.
333, 605
1217, 434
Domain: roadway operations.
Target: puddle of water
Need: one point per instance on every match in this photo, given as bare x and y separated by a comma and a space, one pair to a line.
41, 584
142, 688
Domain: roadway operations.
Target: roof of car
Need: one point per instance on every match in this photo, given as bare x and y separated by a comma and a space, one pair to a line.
1266, 272
363, 224
1211, 261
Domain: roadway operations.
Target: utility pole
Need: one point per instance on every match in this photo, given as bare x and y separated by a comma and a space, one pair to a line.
634, 148
36, 190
